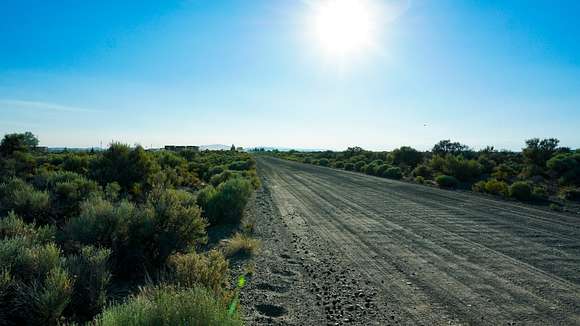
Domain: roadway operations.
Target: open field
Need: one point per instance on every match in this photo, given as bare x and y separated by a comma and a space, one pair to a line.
346, 248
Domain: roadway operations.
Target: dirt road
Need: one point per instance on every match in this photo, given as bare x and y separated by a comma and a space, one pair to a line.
345, 248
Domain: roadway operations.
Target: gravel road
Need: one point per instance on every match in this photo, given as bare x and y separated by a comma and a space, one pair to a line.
342, 248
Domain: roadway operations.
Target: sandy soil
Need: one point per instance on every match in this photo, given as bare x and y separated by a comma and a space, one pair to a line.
342, 248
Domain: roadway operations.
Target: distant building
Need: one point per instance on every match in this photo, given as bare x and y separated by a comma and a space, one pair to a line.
174, 148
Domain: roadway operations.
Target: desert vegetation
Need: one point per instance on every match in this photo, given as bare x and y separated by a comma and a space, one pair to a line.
117, 237
542, 172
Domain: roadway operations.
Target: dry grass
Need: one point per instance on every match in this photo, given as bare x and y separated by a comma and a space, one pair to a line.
240, 244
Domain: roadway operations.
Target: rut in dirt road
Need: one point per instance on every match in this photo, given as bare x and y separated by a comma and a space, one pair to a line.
366, 251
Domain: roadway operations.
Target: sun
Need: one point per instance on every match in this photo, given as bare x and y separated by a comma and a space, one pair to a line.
344, 27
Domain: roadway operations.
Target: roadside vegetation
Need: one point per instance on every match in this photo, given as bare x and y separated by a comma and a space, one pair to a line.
118, 237
542, 172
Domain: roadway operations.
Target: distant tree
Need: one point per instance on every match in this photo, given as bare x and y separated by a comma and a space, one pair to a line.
30, 140
17, 143
445, 147
353, 151
538, 152
132, 169
233, 148
406, 156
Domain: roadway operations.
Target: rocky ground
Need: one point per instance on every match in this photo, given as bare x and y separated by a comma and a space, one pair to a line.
342, 248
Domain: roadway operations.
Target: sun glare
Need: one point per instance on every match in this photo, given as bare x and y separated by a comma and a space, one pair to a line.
344, 27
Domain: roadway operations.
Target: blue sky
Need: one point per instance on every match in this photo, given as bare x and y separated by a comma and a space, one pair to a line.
77, 73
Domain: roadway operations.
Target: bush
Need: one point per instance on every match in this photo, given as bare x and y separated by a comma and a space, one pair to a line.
406, 156
446, 181
423, 171
209, 270
359, 166
393, 173
225, 204
323, 162
33, 286
217, 179
339, 165
498, 188
52, 297
349, 167
139, 237
167, 305
68, 190
419, 179
90, 270
13, 226
381, 169
20, 197
177, 221
242, 165
504, 172
131, 168
462, 169
521, 191
540, 193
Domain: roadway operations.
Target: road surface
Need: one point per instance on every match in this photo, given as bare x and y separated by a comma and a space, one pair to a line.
345, 248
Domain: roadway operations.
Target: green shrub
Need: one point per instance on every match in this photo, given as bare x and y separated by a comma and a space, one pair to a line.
170, 306
226, 203
90, 270
131, 168
359, 166
393, 173
339, 165
217, 179
20, 197
406, 156
349, 167
51, 299
462, 169
521, 191
540, 193
498, 188
213, 171
323, 162
242, 165
419, 179
423, 171
177, 221
13, 226
139, 237
33, 286
479, 186
382, 169
112, 191
128, 231
446, 181
504, 172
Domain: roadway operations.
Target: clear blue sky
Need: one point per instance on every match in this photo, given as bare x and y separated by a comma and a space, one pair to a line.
246, 72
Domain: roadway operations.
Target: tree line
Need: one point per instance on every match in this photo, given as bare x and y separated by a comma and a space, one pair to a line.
543, 172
